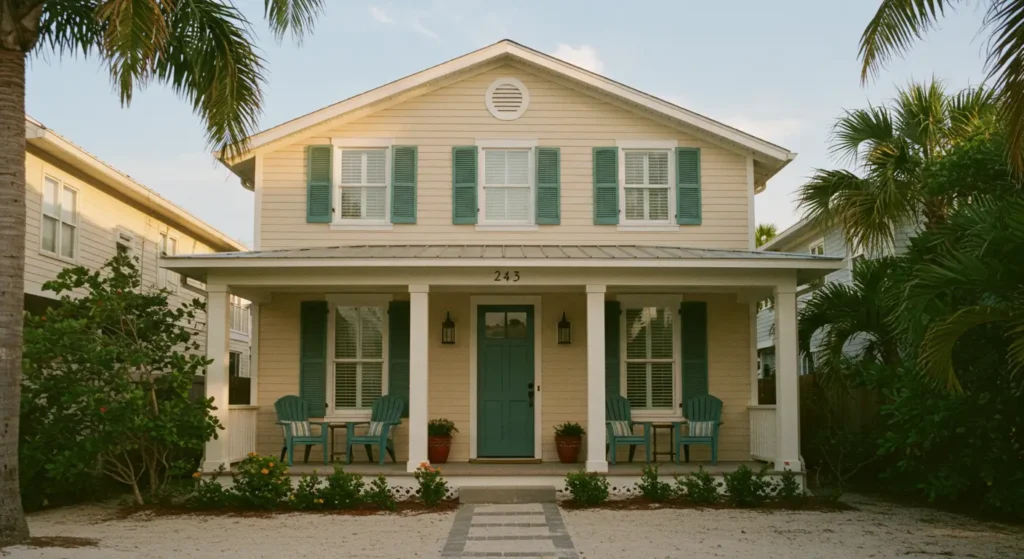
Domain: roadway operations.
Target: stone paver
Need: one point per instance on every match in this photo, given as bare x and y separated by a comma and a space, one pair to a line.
519, 530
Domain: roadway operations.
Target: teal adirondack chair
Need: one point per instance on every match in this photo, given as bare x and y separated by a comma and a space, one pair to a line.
703, 416
619, 421
293, 417
385, 415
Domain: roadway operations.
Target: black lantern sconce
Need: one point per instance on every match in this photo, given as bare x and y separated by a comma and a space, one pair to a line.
448, 329
564, 330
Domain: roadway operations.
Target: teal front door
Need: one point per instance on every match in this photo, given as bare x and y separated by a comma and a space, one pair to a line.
505, 385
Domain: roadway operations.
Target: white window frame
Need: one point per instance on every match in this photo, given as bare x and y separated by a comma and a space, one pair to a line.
242, 312
61, 185
350, 224
167, 279
130, 246
668, 146
819, 243
662, 301
483, 224
334, 301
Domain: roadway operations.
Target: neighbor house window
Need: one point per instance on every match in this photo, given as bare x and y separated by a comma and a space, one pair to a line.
646, 195
363, 188
60, 219
359, 340
506, 188
239, 315
650, 357
235, 363
818, 247
168, 247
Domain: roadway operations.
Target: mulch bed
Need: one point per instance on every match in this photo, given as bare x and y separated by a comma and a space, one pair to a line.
63, 542
640, 503
412, 508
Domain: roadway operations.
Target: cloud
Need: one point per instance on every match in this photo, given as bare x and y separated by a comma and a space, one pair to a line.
416, 25
380, 15
771, 129
584, 56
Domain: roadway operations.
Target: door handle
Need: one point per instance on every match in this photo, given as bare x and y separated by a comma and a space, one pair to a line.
529, 393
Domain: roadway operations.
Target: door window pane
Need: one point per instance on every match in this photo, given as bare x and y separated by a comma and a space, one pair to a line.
494, 324
517, 327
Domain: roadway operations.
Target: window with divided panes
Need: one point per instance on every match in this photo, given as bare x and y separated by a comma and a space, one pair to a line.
646, 186
650, 357
358, 356
363, 191
506, 185
60, 218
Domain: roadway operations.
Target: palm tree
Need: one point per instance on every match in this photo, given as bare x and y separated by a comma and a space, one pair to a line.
765, 232
890, 147
202, 48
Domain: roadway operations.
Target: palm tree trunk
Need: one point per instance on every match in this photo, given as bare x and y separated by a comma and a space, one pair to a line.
13, 527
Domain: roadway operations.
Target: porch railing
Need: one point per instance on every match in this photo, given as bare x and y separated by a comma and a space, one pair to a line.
241, 429
762, 432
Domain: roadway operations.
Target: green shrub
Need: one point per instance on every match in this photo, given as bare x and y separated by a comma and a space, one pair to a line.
651, 487
746, 489
586, 488
308, 494
788, 489
570, 429
441, 427
343, 490
699, 488
379, 494
208, 493
261, 482
433, 488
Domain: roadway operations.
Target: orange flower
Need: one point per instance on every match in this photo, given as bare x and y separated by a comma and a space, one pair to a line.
270, 465
251, 454
264, 471
197, 475
424, 465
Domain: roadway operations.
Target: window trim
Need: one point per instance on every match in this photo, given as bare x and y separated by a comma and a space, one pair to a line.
814, 244
340, 145
667, 146
345, 300
483, 223
61, 185
672, 302
238, 361
164, 278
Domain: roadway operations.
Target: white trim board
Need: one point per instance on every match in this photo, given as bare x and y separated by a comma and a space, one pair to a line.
475, 301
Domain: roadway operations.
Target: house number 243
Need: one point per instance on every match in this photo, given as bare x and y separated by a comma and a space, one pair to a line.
506, 276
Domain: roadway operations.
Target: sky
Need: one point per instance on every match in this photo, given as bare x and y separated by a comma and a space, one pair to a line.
783, 71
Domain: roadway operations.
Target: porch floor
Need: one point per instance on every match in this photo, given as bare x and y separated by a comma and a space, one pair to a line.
468, 469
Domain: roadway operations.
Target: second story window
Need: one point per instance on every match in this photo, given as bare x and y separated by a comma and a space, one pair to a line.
507, 190
168, 247
363, 188
818, 248
60, 219
646, 192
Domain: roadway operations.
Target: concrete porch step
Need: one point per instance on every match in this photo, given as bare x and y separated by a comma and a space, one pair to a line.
507, 494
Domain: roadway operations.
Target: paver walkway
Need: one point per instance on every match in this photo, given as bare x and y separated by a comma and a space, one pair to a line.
526, 530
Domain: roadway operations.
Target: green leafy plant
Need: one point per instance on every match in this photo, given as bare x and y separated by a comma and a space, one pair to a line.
789, 489
699, 488
261, 482
343, 490
745, 488
587, 488
379, 494
653, 488
308, 494
441, 427
433, 488
208, 493
569, 429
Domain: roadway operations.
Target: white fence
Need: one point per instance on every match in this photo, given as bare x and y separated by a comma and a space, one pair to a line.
762, 433
241, 431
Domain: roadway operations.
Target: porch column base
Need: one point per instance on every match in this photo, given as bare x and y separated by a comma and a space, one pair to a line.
600, 466
789, 465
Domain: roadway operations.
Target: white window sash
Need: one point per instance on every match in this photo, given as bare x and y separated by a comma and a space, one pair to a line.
333, 302
58, 216
530, 185
670, 187
667, 302
337, 186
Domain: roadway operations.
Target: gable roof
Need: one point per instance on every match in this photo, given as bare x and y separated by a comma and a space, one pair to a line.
769, 158
803, 227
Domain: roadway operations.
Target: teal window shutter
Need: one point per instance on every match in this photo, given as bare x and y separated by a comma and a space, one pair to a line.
549, 186
403, 184
688, 186
313, 356
318, 184
694, 322
464, 178
606, 186
612, 358
398, 352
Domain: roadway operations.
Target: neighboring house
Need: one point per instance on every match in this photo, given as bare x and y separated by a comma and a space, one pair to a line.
82, 211
426, 238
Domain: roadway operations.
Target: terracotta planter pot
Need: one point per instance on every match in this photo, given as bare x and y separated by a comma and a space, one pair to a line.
568, 448
438, 449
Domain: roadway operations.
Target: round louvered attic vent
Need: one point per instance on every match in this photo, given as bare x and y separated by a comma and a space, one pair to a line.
507, 98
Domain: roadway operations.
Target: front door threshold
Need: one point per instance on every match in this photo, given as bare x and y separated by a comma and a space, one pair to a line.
504, 461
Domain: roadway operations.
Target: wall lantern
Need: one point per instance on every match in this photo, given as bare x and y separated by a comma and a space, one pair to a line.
564, 330
448, 329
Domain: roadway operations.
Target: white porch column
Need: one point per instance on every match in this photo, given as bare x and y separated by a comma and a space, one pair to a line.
254, 354
218, 344
787, 381
596, 457
419, 338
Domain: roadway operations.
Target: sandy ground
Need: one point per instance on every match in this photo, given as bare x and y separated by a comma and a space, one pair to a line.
876, 530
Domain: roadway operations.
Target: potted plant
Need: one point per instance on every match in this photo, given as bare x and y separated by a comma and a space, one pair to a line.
439, 439
568, 438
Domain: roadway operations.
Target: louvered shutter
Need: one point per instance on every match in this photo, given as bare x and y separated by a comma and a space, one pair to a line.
464, 180
612, 360
606, 186
694, 322
549, 186
403, 184
688, 186
318, 184
313, 356
398, 352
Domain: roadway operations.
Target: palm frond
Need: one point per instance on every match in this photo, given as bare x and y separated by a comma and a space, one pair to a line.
1005, 20
135, 32
292, 16
861, 131
764, 233
71, 26
894, 28
921, 113
971, 111
939, 343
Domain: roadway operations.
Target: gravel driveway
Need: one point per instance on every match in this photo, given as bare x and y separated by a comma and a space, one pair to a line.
875, 530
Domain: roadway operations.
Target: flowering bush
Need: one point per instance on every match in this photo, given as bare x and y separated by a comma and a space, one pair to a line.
433, 488
379, 494
261, 482
208, 493
308, 495
343, 490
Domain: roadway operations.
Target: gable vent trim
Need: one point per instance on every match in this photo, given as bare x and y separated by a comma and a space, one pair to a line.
507, 98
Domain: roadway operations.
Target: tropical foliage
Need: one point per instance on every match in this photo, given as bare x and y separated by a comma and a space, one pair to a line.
764, 233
